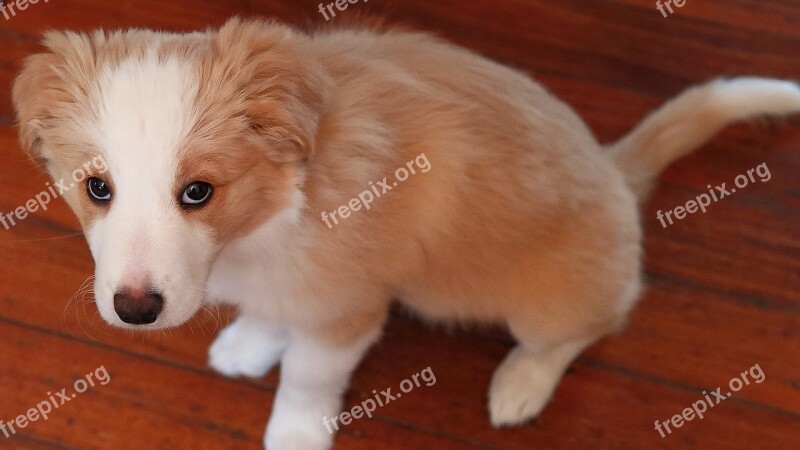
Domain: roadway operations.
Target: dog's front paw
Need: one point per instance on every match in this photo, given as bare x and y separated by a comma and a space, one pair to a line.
297, 434
248, 348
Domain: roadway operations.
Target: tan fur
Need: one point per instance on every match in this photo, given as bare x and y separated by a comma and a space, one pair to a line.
50, 99
246, 113
523, 220
495, 231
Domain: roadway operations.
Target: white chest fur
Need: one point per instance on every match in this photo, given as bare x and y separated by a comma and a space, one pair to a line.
262, 273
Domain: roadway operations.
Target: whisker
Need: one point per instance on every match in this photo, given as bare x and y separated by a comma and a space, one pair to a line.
86, 316
87, 284
47, 239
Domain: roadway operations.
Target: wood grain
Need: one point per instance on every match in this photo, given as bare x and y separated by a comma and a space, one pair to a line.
724, 291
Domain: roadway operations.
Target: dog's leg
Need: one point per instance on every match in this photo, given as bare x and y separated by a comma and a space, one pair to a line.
551, 334
248, 347
315, 373
524, 383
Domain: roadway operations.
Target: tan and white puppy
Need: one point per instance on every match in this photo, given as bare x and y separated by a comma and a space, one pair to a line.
226, 149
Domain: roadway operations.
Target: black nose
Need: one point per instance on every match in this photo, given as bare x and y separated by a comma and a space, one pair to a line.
138, 308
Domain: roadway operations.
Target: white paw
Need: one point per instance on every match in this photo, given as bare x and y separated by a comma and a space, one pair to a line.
248, 348
521, 387
299, 431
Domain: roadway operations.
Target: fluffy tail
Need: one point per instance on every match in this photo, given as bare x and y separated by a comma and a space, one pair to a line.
688, 121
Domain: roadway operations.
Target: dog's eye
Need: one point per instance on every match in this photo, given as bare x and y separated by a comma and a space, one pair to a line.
196, 193
98, 190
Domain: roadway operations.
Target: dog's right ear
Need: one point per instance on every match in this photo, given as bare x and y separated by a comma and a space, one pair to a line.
31, 95
48, 84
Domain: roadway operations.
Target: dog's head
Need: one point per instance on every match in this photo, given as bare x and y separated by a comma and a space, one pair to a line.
170, 147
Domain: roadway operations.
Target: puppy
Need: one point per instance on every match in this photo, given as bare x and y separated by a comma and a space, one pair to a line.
236, 157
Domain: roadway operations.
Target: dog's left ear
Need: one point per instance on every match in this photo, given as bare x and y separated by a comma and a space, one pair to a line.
284, 88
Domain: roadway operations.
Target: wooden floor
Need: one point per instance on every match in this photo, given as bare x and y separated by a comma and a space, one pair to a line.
724, 287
